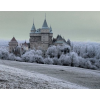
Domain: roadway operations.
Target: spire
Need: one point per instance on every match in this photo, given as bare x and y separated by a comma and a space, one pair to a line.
45, 23
33, 27
13, 39
50, 28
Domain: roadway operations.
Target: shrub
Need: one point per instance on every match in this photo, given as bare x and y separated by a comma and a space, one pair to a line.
48, 61
12, 56
4, 54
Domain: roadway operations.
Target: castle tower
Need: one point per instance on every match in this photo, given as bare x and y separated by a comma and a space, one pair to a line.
33, 29
42, 37
12, 44
46, 36
50, 29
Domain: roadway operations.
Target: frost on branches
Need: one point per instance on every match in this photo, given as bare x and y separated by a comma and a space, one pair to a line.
33, 56
75, 54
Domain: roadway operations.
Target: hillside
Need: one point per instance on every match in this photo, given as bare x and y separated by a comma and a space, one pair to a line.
31, 75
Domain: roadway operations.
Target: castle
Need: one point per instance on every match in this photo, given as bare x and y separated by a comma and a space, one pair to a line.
41, 39
12, 44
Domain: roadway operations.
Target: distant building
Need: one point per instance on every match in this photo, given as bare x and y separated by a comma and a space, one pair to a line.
41, 38
12, 44
25, 46
59, 41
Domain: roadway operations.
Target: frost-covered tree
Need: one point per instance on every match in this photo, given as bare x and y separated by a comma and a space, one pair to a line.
39, 52
26, 57
4, 54
97, 63
86, 50
74, 59
56, 61
36, 59
77, 54
52, 52
65, 60
81, 62
48, 60
57, 51
18, 58
89, 54
12, 56
33, 56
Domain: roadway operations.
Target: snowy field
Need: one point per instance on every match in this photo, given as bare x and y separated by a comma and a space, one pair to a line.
16, 78
41, 76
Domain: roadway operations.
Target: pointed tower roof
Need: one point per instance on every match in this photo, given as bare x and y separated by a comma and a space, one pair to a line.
13, 39
45, 25
25, 44
33, 27
50, 28
59, 37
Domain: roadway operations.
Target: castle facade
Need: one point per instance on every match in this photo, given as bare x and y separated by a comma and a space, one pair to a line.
39, 39
12, 44
42, 37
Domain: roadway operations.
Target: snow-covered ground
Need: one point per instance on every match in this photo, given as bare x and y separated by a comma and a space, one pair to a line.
18, 78
39, 76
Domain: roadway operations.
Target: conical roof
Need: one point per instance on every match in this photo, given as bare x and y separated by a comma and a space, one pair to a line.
45, 24
25, 43
59, 37
13, 39
33, 27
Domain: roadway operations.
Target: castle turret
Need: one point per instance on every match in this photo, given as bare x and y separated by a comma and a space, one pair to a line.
42, 37
33, 29
45, 25
50, 29
12, 44
45, 28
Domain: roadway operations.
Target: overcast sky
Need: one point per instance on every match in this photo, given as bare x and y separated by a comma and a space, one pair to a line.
77, 26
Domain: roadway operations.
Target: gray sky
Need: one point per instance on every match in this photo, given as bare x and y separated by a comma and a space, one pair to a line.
77, 26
